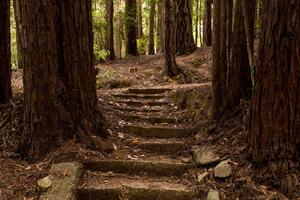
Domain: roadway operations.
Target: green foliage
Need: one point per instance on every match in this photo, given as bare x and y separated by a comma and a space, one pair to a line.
142, 44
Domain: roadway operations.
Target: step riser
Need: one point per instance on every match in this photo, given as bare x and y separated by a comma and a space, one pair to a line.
133, 194
128, 96
153, 120
147, 91
134, 103
132, 167
139, 110
157, 132
171, 148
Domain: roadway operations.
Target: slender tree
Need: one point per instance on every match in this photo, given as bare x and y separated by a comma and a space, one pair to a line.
118, 43
161, 26
140, 32
151, 28
184, 33
274, 123
5, 62
197, 22
170, 38
58, 61
18, 17
207, 33
111, 29
130, 23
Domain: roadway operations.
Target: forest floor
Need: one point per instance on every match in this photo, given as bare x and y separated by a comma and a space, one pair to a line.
228, 139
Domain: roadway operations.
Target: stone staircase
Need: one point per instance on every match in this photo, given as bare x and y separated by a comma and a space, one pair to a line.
153, 159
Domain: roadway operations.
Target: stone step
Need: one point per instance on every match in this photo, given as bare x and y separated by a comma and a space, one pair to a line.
121, 187
157, 132
144, 103
153, 120
162, 146
150, 166
143, 110
138, 96
148, 90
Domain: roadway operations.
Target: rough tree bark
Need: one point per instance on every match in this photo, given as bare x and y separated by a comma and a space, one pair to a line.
58, 61
184, 33
151, 28
130, 23
161, 27
111, 29
170, 38
239, 77
18, 17
5, 62
118, 43
275, 111
139, 19
207, 33
217, 82
197, 23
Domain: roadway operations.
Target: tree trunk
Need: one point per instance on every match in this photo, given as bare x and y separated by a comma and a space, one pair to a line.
130, 21
118, 48
207, 23
18, 17
229, 10
5, 62
217, 98
184, 32
170, 38
58, 61
140, 33
197, 23
161, 26
275, 111
111, 30
239, 78
151, 28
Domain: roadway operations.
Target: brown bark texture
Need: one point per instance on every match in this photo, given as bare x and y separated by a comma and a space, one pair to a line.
130, 23
239, 77
139, 16
59, 76
207, 33
119, 30
151, 28
5, 62
18, 20
275, 112
184, 33
161, 27
111, 29
170, 38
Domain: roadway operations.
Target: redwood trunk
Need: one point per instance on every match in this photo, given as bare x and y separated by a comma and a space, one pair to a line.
217, 93
111, 29
118, 48
18, 18
151, 28
207, 33
59, 77
161, 27
184, 32
5, 62
170, 38
140, 32
239, 77
130, 21
275, 113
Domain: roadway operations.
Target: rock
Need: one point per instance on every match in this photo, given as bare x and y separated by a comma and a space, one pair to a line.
64, 180
45, 183
202, 176
204, 155
223, 170
185, 160
213, 195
